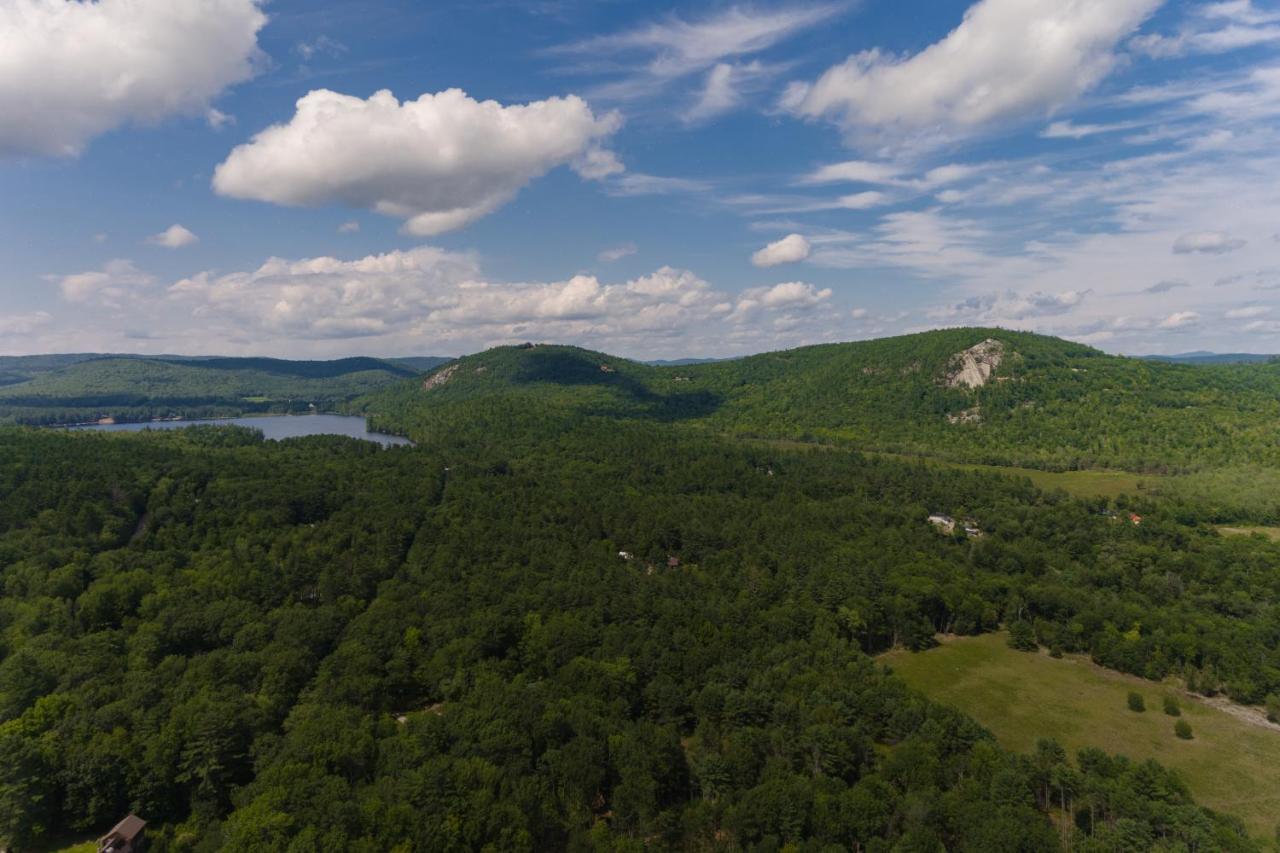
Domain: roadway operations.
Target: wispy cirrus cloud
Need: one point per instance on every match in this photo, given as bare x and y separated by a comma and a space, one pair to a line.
1011, 307
893, 174
1071, 130
18, 325
1248, 313
639, 184
1207, 243
1214, 28
726, 87
1167, 286
645, 62
613, 254
927, 243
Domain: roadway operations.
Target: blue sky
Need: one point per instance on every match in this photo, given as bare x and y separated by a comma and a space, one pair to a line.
388, 177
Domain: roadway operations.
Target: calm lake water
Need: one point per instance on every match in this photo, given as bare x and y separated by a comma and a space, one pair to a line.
274, 427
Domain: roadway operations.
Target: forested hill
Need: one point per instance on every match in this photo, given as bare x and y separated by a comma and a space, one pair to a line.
973, 394
68, 388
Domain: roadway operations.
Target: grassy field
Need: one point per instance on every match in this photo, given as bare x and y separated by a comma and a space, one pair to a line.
65, 846
1231, 765
1272, 533
1080, 484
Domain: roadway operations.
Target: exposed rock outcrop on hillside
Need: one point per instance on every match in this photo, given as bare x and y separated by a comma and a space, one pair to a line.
439, 378
973, 367
968, 416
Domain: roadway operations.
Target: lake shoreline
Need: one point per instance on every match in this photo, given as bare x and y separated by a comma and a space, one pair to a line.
272, 427
242, 416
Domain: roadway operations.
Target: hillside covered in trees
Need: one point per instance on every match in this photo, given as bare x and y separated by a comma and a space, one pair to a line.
603, 605
75, 388
1047, 402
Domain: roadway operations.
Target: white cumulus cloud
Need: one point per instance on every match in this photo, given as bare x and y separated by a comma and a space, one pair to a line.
173, 237
789, 296
440, 162
789, 250
117, 281
72, 70
430, 294
1180, 320
1006, 60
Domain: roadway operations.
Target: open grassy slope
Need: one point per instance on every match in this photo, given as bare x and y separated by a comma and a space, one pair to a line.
1272, 533
1230, 765
61, 388
86, 846
1078, 484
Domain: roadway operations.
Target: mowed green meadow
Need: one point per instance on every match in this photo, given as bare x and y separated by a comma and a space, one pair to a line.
1272, 533
1079, 484
1231, 765
90, 846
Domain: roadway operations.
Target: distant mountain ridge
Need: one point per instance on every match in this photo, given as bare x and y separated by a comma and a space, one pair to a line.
79, 387
681, 362
1204, 357
1042, 402
980, 395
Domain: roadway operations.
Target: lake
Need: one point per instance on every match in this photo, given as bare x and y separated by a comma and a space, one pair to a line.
273, 427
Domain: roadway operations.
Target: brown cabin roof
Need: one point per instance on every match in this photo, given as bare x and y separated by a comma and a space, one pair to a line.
128, 829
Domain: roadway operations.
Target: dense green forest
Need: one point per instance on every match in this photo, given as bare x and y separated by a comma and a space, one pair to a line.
76, 388
612, 636
585, 613
1049, 403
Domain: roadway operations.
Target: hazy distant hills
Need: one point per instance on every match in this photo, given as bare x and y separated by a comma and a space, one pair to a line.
420, 364
974, 395
73, 388
1042, 401
681, 362
1202, 357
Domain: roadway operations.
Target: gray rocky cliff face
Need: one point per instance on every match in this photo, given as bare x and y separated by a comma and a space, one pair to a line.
973, 367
